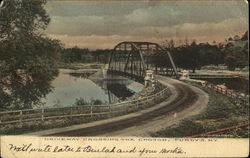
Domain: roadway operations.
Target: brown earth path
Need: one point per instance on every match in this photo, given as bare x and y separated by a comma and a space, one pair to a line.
185, 101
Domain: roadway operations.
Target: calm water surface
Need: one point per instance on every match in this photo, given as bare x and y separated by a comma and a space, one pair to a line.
68, 88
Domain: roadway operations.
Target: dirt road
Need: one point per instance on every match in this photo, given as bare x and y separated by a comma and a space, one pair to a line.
184, 102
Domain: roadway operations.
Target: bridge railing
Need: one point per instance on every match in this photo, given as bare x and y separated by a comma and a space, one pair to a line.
85, 111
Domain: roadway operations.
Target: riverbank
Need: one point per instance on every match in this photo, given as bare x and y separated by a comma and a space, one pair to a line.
220, 113
76, 66
67, 116
222, 70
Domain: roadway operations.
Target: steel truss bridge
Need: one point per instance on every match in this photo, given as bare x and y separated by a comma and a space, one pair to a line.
132, 59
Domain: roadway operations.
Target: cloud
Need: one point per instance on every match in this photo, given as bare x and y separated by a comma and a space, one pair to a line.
87, 22
156, 16
75, 25
174, 15
201, 32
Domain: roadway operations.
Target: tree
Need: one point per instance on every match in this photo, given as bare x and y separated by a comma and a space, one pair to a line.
195, 56
230, 39
28, 59
186, 41
210, 55
236, 57
187, 56
245, 36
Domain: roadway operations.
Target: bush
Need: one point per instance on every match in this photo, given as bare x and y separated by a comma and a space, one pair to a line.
80, 102
96, 102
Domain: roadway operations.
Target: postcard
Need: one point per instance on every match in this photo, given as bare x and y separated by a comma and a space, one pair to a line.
124, 78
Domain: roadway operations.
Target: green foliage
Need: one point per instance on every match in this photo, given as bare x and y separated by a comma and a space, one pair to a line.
187, 128
234, 54
195, 56
28, 59
219, 107
245, 36
236, 57
81, 102
96, 102
76, 54
23, 16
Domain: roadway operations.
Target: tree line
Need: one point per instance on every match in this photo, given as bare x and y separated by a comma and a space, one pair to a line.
233, 53
84, 55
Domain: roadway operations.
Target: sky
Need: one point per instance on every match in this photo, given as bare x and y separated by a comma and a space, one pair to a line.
102, 24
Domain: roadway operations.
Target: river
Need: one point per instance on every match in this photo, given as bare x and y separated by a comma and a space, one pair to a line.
71, 85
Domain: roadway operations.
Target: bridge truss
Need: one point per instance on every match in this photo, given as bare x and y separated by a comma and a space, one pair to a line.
132, 59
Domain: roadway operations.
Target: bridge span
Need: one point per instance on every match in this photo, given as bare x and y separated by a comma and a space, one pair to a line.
132, 59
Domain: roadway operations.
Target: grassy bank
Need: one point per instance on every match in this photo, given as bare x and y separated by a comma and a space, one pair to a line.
49, 124
222, 70
220, 113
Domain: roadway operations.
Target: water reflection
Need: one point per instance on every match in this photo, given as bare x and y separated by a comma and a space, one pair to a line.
81, 75
70, 85
120, 90
117, 87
